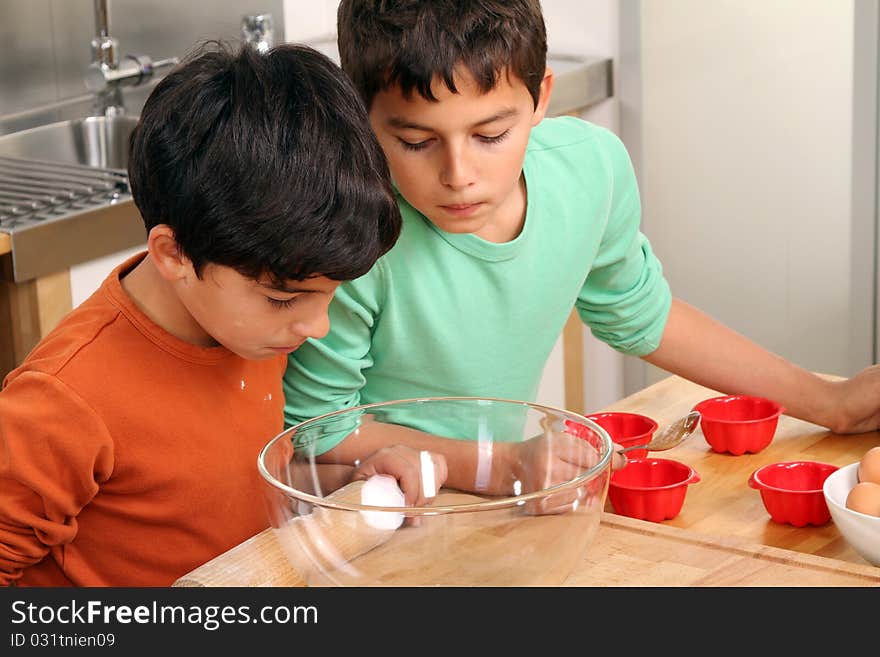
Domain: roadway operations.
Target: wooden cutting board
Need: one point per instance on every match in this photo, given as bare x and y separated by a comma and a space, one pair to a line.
626, 552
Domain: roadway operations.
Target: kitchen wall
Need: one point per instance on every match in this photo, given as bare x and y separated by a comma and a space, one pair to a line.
753, 129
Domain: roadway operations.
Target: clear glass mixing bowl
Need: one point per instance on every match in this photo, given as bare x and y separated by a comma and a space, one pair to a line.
530, 483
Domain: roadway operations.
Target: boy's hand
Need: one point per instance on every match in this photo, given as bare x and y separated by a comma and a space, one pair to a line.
554, 457
858, 402
419, 473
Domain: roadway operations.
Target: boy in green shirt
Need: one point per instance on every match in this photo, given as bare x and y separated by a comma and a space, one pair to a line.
510, 221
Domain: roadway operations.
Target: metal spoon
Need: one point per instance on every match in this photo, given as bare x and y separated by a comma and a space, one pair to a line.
671, 435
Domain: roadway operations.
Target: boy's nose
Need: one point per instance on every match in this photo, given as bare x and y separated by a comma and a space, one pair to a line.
457, 171
315, 327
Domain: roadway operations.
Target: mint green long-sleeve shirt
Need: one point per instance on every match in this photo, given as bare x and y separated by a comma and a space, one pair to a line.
445, 314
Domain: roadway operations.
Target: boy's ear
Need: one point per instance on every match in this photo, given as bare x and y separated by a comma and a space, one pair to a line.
165, 253
544, 98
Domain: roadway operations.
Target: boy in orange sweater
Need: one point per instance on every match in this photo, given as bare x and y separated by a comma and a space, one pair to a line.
129, 436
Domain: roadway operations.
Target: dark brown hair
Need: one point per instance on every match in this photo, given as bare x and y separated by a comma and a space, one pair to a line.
383, 43
265, 163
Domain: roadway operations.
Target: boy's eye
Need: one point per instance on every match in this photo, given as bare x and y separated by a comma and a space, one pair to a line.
414, 146
494, 139
281, 303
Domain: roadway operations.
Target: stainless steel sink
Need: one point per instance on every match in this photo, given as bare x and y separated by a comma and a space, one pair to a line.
64, 195
94, 141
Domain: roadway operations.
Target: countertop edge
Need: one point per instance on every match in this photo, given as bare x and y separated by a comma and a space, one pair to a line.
580, 82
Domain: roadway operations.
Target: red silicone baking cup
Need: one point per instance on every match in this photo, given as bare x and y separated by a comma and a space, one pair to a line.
651, 488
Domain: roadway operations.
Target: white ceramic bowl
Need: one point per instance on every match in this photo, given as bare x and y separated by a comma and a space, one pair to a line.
861, 531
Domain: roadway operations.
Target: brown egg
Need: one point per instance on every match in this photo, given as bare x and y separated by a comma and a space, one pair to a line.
865, 498
869, 466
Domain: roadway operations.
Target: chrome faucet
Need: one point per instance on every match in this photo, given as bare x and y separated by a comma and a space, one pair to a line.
106, 75
259, 31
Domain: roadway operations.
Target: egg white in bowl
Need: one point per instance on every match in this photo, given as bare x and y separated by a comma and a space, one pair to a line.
860, 530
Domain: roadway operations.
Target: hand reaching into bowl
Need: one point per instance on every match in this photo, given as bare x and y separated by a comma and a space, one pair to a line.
419, 473
494, 467
552, 458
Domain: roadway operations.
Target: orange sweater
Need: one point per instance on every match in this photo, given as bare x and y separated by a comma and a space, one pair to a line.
129, 457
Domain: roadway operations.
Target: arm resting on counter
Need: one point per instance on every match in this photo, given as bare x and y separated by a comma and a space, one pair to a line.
703, 350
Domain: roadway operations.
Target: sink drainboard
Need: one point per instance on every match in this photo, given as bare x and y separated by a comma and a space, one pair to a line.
34, 191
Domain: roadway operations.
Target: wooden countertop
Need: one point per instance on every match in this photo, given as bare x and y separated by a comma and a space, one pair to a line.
722, 537
722, 503
625, 552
